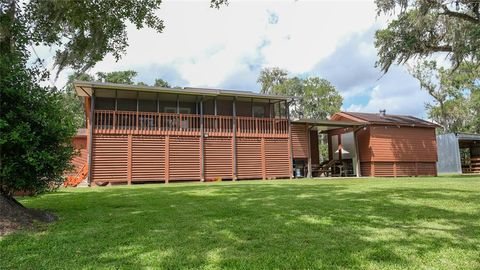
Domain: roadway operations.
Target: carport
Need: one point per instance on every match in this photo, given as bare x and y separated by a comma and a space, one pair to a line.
343, 147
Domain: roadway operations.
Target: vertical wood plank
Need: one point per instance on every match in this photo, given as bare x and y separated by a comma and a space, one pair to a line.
262, 151
167, 159
129, 160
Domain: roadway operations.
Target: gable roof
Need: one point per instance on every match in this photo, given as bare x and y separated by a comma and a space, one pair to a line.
387, 119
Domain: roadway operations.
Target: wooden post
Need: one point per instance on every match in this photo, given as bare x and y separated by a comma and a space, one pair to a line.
357, 153
372, 169
262, 154
309, 153
290, 145
234, 138
167, 159
395, 169
90, 138
129, 160
202, 144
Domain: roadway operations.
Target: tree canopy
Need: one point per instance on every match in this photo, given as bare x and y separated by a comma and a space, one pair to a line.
426, 27
317, 97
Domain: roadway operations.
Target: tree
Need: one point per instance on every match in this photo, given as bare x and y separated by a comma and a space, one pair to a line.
161, 83
455, 93
122, 77
426, 27
316, 98
36, 129
270, 77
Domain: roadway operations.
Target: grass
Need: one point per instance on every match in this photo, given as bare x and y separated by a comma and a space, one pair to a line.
404, 223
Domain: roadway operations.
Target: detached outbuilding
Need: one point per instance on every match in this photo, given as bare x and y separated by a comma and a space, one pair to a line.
387, 145
458, 153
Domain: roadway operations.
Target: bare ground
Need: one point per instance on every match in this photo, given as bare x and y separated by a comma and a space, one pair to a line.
14, 216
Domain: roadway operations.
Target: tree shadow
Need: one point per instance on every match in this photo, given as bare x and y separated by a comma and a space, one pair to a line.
282, 224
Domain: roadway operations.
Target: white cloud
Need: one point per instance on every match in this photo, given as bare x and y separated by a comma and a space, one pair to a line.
227, 48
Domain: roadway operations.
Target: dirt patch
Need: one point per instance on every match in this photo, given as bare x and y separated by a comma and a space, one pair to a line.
14, 216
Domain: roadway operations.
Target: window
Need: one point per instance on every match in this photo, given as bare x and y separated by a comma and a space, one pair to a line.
104, 103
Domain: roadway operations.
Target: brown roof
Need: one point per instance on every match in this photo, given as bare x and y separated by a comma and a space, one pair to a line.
387, 119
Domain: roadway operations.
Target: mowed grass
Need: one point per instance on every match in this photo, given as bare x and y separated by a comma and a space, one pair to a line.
403, 223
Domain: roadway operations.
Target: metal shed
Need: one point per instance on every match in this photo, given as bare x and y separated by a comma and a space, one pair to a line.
458, 153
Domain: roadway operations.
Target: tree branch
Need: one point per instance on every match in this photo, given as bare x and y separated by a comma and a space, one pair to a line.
459, 15
445, 48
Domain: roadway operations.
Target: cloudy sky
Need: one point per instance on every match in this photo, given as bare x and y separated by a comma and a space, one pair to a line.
227, 48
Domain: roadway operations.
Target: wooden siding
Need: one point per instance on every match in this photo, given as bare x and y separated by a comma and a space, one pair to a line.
218, 158
398, 169
110, 158
277, 162
299, 141
249, 158
148, 158
402, 144
184, 158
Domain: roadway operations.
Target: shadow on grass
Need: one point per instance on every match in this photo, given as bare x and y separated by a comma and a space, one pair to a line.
327, 225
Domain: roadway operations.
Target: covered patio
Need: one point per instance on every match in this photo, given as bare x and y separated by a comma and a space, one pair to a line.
340, 140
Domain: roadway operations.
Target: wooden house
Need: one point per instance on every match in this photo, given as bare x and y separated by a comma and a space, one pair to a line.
142, 133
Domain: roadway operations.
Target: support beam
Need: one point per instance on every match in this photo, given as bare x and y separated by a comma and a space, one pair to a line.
262, 154
234, 138
202, 144
167, 159
290, 145
309, 153
90, 139
357, 153
129, 160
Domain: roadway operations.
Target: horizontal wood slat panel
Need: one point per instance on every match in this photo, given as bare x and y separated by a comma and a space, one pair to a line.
277, 163
299, 141
148, 158
249, 158
390, 169
109, 158
184, 158
403, 144
218, 158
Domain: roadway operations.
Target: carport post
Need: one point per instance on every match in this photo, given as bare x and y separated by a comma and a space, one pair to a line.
309, 160
357, 153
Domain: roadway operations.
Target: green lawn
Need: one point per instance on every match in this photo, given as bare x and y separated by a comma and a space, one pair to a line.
403, 223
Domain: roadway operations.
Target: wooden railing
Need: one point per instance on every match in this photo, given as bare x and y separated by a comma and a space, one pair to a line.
125, 122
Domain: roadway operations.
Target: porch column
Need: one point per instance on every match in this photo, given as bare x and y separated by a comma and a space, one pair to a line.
90, 138
357, 153
234, 138
309, 153
202, 144
290, 150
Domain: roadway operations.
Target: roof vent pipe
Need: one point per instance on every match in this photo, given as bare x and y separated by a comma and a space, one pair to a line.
383, 112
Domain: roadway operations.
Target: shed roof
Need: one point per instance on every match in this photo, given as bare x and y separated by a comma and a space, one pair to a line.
86, 88
387, 119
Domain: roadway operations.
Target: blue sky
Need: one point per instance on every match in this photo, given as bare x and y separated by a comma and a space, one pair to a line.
227, 48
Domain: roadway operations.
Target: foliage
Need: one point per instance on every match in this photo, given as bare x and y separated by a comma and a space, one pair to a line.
380, 223
35, 126
316, 98
425, 27
161, 83
121, 77
455, 92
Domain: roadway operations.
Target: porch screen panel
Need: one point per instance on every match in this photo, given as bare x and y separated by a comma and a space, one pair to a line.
184, 158
249, 158
276, 158
109, 158
148, 158
218, 158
